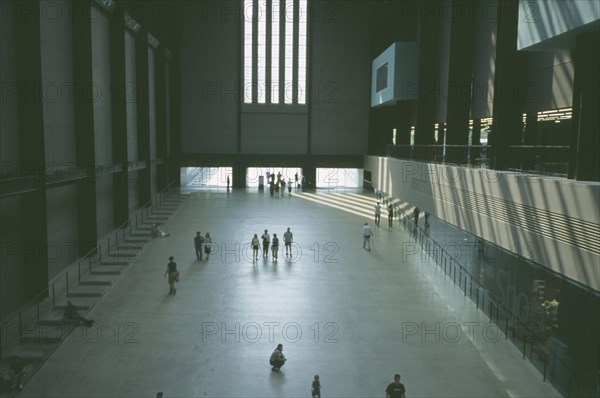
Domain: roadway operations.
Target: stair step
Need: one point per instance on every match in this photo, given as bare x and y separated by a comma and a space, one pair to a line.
130, 247
93, 272
95, 283
78, 306
84, 294
119, 254
109, 262
132, 238
26, 354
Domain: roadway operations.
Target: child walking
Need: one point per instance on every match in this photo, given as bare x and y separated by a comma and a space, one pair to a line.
316, 387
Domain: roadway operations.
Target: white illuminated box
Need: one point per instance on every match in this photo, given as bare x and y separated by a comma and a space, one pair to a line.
395, 75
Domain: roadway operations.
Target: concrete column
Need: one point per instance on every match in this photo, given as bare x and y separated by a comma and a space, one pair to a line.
459, 83
119, 117
510, 69
426, 104
585, 146
143, 114
32, 152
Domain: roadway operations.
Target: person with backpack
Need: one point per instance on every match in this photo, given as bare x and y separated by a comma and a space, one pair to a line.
275, 247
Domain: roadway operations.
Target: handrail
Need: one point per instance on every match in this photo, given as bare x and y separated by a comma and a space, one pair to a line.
524, 332
64, 273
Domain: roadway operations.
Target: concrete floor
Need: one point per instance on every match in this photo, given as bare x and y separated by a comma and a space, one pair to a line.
352, 316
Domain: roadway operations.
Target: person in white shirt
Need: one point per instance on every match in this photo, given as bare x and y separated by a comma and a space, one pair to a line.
377, 213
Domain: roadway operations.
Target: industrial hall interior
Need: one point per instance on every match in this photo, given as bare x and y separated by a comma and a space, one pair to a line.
300, 198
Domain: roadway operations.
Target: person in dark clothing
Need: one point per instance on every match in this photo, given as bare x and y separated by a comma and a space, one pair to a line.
173, 274
198, 241
266, 240
17, 368
390, 215
277, 359
275, 247
316, 387
72, 314
395, 389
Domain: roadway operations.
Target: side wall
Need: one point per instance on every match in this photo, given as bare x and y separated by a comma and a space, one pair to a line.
71, 139
554, 222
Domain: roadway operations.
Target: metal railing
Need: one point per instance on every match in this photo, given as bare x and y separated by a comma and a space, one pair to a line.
551, 160
553, 368
17, 325
471, 155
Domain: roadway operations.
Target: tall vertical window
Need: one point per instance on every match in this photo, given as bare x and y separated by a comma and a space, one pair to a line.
302, 26
248, 18
275, 48
275, 10
261, 64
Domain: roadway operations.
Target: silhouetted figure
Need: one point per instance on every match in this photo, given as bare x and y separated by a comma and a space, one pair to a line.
72, 314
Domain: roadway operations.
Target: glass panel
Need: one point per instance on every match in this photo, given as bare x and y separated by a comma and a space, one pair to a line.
248, 17
207, 177
261, 56
289, 51
302, 26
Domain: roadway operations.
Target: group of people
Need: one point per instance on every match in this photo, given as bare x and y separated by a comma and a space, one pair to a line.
202, 244
278, 359
277, 187
390, 210
288, 239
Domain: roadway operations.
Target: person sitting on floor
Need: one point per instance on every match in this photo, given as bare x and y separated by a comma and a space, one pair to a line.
72, 314
17, 368
157, 232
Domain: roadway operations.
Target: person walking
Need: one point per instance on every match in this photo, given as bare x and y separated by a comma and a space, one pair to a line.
395, 389
377, 213
367, 233
390, 215
275, 247
207, 242
198, 241
173, 275
288, 238
316, 387
416, 216
255, 244
277, 359
266, 239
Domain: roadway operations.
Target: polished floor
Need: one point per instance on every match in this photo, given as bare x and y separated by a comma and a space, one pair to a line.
352, 316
